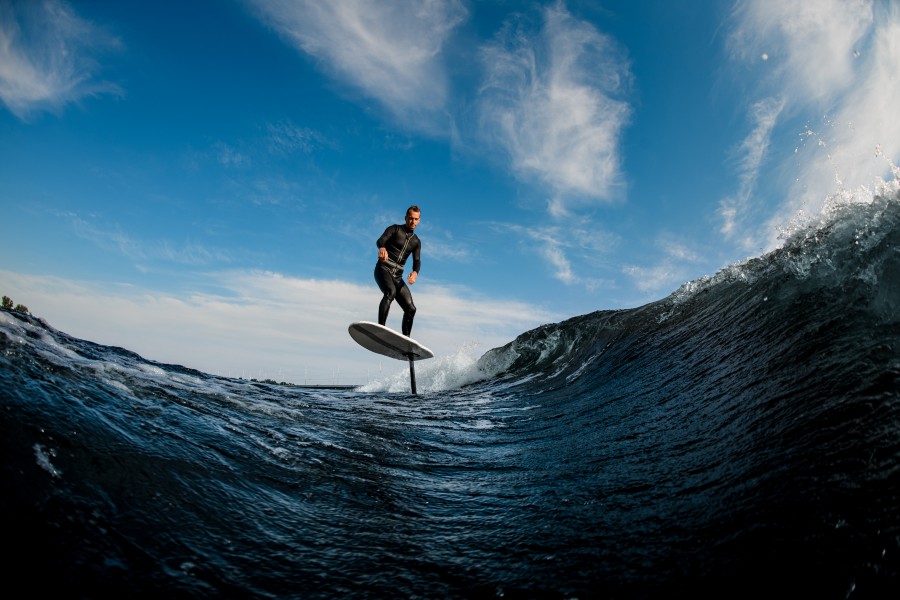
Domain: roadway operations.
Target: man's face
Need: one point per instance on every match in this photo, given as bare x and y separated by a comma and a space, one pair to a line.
412, 219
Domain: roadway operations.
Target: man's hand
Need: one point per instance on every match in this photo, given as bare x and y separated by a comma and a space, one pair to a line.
382, 254
412, 278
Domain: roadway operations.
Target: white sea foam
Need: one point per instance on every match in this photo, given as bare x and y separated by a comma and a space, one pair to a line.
442, 373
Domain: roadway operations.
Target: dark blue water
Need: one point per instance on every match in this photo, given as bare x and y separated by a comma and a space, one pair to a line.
740, 437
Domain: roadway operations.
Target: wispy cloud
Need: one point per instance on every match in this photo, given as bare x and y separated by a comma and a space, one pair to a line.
548, 243
810, 47
111, 238
674, 267
552, 252
285, 138
48, 57
552, 101
655, 278
442, 247
391, 50
750, 157
832, 65
563, 249
230, 157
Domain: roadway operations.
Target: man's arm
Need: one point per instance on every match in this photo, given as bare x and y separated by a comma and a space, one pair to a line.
380, 242
417, 264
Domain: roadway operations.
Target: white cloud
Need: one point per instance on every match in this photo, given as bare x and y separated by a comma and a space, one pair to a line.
285, 138
391, 50
551, 102
553, 253
751, 155
833, 63
663, 276
558, 247
112, 238
443, 247
266, 325
678, 250
230, 157
865, 119
810, 45
47, 57
673, 268
549, 244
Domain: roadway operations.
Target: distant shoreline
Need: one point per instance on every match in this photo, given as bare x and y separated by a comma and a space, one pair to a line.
323, 387
308, 386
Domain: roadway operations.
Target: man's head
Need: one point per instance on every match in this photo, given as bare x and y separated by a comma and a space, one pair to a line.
412, 216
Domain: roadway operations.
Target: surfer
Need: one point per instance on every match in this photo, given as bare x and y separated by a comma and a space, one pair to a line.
394, 246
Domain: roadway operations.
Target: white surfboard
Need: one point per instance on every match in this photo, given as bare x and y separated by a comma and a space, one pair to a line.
386, 341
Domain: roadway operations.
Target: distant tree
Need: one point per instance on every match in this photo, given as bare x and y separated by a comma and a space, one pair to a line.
7, 303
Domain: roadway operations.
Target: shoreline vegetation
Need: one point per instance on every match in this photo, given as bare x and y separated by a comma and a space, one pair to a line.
7, 304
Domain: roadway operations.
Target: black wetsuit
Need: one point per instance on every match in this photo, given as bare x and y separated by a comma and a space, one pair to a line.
399, 242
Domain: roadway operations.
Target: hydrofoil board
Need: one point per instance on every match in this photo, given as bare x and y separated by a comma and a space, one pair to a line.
383, 340
386, 341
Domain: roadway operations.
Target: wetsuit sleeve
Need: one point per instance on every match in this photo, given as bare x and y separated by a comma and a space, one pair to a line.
382, 241
415, 254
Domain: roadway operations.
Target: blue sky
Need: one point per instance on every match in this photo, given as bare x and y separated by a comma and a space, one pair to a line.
203, 182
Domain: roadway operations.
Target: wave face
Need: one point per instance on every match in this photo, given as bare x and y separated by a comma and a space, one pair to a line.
740, 436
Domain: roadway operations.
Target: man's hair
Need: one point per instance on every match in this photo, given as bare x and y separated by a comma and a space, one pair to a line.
413, 208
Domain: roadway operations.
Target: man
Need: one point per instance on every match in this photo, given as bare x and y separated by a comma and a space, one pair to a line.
394, 246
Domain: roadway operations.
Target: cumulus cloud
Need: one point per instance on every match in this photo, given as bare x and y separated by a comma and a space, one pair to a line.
48, 57
552, 102
391, 50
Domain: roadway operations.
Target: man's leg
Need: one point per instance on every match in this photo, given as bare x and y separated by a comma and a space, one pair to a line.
404, 299
389, 289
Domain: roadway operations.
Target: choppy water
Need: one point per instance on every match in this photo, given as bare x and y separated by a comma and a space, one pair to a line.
741, 436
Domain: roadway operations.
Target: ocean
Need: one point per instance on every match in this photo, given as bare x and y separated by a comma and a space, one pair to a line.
739, 437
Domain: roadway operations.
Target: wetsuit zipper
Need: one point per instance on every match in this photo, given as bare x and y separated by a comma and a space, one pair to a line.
400, 256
